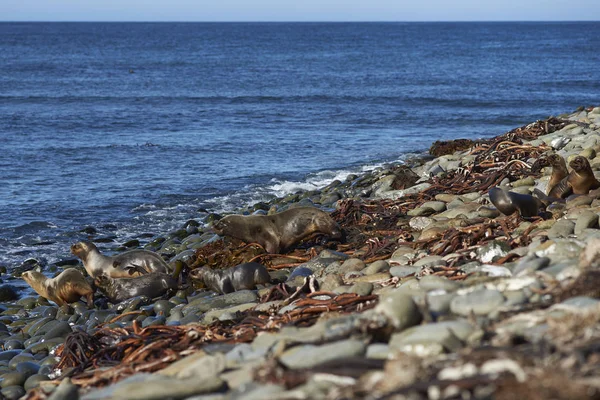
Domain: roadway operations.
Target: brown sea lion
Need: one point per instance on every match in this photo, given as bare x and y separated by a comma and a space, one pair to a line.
240, 277
508, 202
153, 285
68, 287
559, 172
580, 180
279, 231
125, 265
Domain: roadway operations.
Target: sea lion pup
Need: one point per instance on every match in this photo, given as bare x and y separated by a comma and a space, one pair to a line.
153, 285
68, 287
125, 265
508, 202
582, 179
240, 277
279, 231
559, 172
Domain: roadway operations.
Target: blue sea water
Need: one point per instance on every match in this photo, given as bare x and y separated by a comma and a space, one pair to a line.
134, 127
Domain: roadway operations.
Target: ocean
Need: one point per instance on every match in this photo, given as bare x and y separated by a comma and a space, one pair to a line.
134, 128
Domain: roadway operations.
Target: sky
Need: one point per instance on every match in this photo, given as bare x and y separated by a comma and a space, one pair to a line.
299, 10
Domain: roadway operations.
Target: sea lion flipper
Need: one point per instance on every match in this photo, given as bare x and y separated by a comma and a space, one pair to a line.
562, 190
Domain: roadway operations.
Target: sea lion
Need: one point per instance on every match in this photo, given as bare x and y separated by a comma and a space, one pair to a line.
125, 265
508, 202
153, 285
279, 231
559, 172
240, 277
67, 287
582, 178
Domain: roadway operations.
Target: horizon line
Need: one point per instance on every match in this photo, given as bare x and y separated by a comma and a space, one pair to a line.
297, 21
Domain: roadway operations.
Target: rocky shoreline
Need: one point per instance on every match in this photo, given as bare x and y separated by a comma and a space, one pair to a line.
433, 294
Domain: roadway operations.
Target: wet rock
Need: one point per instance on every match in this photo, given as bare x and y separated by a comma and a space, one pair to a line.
13, 379
309, 356
13, 392
8, 293
478, 302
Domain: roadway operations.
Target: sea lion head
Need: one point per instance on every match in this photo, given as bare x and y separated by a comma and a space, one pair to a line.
222, 226
33, 277
557, 161
82, 249
102, 281
580, 164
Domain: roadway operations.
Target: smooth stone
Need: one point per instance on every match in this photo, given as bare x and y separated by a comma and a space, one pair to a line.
62, 329
420, 211
437, 206
163, 307
156, 387
530, 264
478, 302
402, 271
487, 212
587, 219
227, 300
432, 339
28, 368
34, 381
376, 267
492, 250
331, 282
579, 201
420, 223
23, 357
439, 304
13, 344
334, 255
378, 351
300, 272
400, 308
433, 282
561, 229
353, 264
529, 181
515, 297
309, 356
580, 303
13, 379
361, 288
430, 261
198, 365
13, 392
226, 314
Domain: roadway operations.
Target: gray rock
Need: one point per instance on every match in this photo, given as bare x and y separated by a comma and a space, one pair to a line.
13, 379
440, 304
376, 267
309, 356
402, 271
399, 308
13, 392
430, 339
529, 264
378, 351
430, 261
562, 228
227, 300
420, 223
198, 365
433, 282
587, 219
492, 250
361, 288
62, 329
478, 302
353, 264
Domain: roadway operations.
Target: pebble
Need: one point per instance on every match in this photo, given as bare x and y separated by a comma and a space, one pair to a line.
399, 308
309, 356
478, 302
